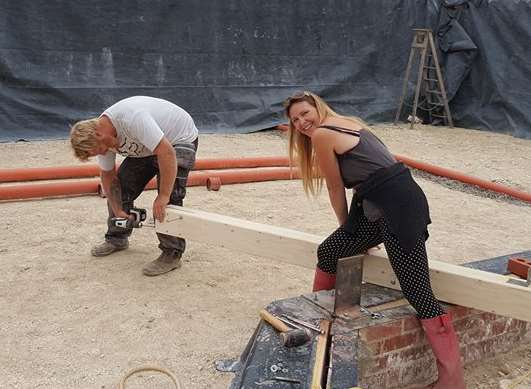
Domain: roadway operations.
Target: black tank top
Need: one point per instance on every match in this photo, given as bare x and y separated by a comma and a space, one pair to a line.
358, 163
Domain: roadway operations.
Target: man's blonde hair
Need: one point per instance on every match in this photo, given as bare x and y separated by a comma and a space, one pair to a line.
83, 138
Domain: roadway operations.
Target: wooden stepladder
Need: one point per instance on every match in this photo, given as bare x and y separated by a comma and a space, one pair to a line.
430, 83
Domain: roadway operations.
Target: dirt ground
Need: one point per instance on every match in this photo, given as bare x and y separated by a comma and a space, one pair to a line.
68, 320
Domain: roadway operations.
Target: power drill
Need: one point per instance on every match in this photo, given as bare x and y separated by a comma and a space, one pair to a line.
139, 215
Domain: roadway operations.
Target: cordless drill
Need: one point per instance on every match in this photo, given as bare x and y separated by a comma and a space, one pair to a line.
139, 215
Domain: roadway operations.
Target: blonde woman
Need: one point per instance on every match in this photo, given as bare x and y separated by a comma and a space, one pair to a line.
387, 207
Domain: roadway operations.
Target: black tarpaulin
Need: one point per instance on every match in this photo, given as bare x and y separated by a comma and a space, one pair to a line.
231, 63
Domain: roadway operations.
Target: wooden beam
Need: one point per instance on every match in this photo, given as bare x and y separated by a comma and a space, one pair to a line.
459, 285
281, 244
451, 283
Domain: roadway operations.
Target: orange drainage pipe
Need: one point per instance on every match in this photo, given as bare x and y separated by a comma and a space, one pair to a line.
455, 175
237, 163
196, 178
213, 183
87, 187
236, 176
92, 170
49, 173
56, 189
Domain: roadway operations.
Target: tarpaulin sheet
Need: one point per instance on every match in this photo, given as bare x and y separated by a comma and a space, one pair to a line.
231, 63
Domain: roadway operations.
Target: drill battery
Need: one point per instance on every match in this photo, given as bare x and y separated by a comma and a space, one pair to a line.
139, 216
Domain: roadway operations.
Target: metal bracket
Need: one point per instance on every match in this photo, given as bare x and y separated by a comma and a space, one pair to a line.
519, 282
349, 277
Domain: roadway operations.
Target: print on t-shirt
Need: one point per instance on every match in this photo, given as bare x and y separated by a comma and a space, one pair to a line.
130, 147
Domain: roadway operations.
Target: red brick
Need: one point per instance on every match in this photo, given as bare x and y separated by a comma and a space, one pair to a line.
491, 346
458, 311
409, 355
512, 324
376, 381
410, 323
498, 327
472, 353
400, 341
527, 331
466, 324
519, 266
488, 316
401, 356
422, 372
383, 331
374, 347
375, 365
380, 381
393, 377
474, 333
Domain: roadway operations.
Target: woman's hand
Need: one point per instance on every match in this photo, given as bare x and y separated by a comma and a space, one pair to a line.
374, 250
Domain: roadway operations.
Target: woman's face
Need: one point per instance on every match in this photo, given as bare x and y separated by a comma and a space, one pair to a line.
304, 117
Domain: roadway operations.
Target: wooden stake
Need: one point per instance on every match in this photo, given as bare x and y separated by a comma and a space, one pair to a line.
321, 352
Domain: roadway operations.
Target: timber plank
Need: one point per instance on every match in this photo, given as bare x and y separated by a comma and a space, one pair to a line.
451, 283
281, 244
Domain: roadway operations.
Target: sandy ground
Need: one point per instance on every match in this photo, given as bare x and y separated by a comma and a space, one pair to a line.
68, 320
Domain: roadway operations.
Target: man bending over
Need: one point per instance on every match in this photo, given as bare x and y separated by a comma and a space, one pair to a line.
158, 138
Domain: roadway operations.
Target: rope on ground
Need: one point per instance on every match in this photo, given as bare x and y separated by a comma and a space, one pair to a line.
150, 368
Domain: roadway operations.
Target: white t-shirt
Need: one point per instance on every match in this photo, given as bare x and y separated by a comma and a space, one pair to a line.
141, 122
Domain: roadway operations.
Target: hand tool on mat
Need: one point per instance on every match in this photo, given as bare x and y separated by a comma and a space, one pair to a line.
374, 315
289, 337
297, 323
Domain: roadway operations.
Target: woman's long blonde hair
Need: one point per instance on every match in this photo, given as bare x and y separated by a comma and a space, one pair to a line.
301, 151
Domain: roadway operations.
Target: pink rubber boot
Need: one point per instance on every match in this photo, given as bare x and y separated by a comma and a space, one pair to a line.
323, 280
441, 335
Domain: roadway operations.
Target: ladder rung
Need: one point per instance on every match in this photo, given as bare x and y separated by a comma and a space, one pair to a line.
433, 95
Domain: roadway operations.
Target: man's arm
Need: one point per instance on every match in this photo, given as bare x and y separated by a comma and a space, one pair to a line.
111, 188
167, 172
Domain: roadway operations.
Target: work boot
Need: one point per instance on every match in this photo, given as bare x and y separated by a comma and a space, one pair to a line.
441, 335
164, 263
106, 248
323, 280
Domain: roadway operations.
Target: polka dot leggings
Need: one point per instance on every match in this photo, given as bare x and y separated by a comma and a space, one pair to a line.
410, 268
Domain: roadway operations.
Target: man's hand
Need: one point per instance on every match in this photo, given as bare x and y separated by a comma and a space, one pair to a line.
124, 215
159, 207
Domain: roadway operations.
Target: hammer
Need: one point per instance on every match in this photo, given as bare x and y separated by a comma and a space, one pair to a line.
289, 337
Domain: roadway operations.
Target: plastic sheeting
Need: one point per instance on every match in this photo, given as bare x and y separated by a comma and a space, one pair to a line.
232, 63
